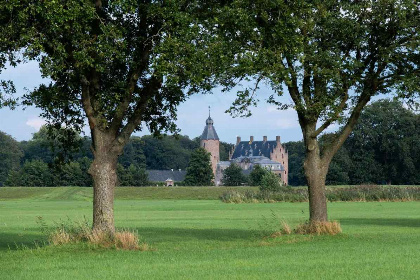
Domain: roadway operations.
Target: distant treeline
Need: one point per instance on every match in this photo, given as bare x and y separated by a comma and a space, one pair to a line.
37, 162
384, 148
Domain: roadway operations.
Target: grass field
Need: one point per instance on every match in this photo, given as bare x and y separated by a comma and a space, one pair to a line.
208, 239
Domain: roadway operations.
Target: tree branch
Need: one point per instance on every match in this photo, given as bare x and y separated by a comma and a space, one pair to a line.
340, 108
330, 151
87, 105
151, 88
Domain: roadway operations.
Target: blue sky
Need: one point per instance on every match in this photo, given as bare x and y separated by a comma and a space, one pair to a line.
265, 121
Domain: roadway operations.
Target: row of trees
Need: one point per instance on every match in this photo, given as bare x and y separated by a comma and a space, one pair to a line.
140, 153
384, 148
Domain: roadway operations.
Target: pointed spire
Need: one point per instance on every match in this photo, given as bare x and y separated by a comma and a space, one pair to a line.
209, 132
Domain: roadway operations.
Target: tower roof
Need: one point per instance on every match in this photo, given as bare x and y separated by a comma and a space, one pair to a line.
209, 132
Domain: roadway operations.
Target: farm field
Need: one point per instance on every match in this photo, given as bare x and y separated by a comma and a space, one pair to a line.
195, 236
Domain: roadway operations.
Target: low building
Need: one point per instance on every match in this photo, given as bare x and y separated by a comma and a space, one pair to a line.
174, 176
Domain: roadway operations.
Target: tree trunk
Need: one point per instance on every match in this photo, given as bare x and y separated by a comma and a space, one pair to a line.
315, 173
104, 174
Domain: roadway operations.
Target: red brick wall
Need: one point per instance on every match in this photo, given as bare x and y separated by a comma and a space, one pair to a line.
279, 154
212, 146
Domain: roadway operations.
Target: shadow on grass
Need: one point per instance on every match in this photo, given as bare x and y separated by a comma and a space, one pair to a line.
182, 234
381, 222
9, 241
12, 241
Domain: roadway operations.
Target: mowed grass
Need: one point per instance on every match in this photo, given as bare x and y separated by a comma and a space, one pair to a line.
208, 239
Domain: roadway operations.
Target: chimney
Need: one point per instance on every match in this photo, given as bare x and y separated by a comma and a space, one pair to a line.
238, 139
265, 138
278, 139
251, 139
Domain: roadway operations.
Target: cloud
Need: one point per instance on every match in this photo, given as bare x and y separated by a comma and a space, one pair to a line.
287, 123
35, 123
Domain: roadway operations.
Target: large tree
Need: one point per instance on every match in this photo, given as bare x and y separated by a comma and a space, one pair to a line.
116, 65
331, 56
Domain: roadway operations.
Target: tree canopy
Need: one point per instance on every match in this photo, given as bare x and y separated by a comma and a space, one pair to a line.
332, 57
117, 65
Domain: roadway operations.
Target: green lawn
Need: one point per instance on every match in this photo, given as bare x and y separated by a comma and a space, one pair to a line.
207, 239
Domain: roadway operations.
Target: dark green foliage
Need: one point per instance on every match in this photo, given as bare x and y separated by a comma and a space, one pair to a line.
385, 145
168, 152
383, 148
199, 171
133, 176
296, 151
225, 149
256, 175
47, 145
10, 155
33, 173
233, 176
270, 182
133, 153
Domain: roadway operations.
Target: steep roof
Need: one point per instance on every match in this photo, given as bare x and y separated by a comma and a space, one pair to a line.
209, 132
163, 175
255, 148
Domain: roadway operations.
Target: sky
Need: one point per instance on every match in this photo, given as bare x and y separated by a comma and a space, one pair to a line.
266, 120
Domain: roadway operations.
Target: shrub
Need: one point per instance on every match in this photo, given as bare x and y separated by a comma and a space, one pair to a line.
233, 176
255, 177
361, 193
270, 182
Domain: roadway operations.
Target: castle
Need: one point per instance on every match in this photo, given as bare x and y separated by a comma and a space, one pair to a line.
247, 154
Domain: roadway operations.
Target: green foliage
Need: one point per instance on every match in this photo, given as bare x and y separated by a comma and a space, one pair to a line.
199, 171
296, 151
383, 148
233, 176
168, 152
384, 145
331, 56
225, 149
132, 176
256, 175
47, 145
33, 173
10, 155
270, 182
74, 173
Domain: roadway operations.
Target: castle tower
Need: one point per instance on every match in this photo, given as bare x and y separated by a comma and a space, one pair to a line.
210, 141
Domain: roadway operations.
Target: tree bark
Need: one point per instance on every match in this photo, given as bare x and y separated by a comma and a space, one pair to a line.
315, 173
104, 173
